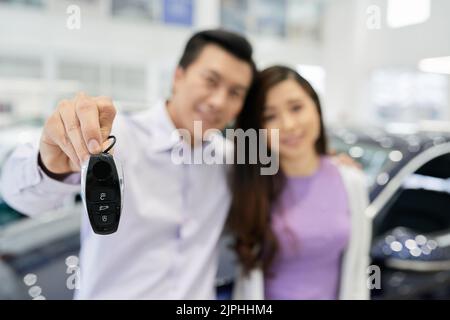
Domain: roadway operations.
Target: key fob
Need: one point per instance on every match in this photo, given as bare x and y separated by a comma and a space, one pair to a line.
102, 192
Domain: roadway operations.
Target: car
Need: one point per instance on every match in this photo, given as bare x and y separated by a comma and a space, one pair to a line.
409, 180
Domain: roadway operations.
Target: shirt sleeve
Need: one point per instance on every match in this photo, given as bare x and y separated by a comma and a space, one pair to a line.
26, 188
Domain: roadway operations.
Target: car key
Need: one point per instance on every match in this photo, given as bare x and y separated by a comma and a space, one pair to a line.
102, 191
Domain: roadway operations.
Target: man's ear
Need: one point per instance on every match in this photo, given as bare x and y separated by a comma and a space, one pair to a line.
177, 77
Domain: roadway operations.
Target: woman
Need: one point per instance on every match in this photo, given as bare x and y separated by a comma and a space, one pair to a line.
304, 228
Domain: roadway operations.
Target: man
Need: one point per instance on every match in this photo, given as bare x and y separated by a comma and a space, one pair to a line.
173, 215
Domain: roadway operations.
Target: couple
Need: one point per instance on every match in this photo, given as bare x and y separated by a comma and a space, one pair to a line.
300, 234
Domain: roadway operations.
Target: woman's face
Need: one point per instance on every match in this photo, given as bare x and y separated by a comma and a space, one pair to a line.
290, 109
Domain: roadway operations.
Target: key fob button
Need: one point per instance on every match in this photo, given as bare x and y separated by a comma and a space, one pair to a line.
104, 219
101, 195
103, 208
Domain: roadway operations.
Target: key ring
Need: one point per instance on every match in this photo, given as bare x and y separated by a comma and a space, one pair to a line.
111, 145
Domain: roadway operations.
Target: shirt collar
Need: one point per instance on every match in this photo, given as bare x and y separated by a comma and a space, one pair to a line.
157, 123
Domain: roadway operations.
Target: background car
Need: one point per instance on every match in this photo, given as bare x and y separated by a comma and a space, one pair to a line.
409, 177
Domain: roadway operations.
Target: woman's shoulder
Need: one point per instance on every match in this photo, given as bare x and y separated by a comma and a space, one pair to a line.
348, 172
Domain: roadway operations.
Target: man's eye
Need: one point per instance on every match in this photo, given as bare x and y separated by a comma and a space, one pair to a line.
268, 117
235, 94
211, 81
296, 108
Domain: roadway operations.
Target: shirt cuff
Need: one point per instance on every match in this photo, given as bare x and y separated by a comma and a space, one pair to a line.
70, 184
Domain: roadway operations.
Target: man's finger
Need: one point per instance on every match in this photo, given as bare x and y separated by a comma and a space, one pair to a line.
107, 113
57, 133
88, 116
72, 130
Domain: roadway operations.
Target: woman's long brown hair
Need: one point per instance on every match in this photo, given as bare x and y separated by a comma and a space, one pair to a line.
255, 195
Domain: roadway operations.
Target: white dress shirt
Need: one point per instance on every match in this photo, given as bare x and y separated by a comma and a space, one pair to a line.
166, 246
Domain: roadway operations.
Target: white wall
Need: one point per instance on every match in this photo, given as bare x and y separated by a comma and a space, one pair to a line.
352, 51
106, 40
349, 51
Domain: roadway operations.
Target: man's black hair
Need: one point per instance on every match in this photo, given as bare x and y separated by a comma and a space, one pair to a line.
232, 42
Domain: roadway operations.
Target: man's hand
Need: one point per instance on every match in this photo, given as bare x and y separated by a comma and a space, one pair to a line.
76, 129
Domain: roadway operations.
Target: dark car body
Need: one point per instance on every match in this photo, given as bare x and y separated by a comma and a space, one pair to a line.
409, 175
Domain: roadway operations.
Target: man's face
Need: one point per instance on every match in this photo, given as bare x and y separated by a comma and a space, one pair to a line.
212, 90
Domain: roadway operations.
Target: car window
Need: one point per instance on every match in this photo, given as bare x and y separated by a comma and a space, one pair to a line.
423, 201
